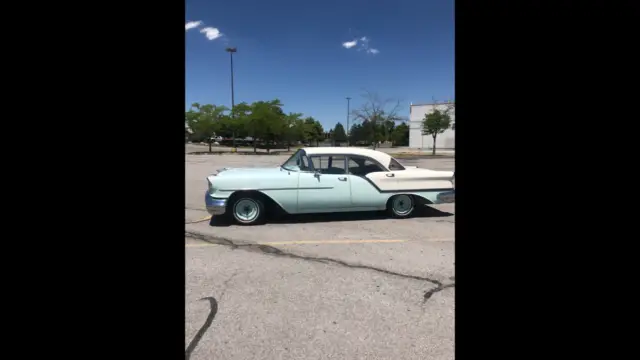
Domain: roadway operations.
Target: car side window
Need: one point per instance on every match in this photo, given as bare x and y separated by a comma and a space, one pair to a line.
304, 163
362, 166
394, 165
329, 164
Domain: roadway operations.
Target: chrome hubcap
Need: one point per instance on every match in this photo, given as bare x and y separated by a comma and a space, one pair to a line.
402, 204
246, 210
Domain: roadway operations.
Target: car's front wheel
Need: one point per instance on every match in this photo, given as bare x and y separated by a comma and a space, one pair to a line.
248, 210
401, 206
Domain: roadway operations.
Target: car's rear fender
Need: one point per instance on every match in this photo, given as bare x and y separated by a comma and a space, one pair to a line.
428, 197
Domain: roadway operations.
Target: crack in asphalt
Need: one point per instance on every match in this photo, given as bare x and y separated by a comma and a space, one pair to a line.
429, 293
226, 283
270, 250
213, 310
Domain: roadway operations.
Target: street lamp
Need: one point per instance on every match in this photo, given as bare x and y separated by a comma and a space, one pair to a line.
232, 50
348, 103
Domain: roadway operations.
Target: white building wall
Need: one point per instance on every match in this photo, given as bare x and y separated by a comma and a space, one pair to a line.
444, 141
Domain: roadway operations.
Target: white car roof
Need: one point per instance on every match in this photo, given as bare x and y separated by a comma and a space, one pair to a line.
379, 156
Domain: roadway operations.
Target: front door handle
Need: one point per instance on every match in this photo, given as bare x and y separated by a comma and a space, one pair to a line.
342, 178
391, 175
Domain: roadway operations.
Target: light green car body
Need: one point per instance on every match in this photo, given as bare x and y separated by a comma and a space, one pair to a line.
299, 191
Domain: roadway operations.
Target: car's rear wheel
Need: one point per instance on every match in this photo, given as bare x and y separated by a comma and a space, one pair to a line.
248, 210
401, 206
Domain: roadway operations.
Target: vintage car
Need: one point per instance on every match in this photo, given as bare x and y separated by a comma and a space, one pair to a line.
327, 179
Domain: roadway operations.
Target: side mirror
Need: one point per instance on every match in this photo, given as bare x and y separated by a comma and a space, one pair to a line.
316, 173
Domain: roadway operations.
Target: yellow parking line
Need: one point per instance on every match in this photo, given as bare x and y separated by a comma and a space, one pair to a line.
329, 242
199, 245
306, 242
199, 220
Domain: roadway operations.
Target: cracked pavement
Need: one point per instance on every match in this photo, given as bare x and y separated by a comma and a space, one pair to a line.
281, 291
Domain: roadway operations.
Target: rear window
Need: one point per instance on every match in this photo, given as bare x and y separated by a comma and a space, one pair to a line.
395, 165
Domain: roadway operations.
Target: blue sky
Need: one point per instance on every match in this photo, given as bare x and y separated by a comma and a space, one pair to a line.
295, 51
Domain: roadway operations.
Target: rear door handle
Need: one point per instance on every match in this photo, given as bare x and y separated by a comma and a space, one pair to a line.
342, 178
391, 175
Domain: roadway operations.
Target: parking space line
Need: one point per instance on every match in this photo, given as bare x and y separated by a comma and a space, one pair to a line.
308, 242
199, 220
305, 242
200, 245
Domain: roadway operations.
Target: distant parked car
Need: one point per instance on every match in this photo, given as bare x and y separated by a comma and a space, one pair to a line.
327, 179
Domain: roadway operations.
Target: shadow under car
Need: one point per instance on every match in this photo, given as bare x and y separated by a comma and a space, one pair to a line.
284, 218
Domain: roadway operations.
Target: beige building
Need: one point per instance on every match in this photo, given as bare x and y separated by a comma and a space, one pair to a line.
444, 141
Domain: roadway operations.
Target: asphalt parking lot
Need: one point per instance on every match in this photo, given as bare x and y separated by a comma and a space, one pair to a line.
358, 286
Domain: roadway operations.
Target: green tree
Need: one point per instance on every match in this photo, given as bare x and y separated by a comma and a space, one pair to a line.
355, 134
300, 130
291, 130
205, 120
266, 122
190, 118
339, 135
436, 123
387, 129
378, 113
400, 135
313, 130
234, 125
368, 133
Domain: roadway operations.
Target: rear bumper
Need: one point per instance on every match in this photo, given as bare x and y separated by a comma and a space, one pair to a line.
446, 197
215, 206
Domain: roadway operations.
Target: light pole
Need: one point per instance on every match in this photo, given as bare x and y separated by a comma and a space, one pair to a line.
232, 50
348, 103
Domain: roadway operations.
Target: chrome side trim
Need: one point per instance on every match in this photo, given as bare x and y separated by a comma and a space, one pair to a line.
272, 189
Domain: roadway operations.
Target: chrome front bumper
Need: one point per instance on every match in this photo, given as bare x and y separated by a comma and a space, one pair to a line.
446, 197
215, 206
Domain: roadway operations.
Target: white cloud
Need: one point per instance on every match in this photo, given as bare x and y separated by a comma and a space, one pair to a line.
191, 25
211, 33
350, 44
362, 45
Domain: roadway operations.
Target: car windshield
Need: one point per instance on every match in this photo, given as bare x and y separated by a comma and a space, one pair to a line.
293, 163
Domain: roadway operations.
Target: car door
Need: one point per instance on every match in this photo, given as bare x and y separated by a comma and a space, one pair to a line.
370, 182
326, 187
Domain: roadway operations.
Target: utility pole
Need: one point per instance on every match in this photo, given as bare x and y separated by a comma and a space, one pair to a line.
232, 50
348, 103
